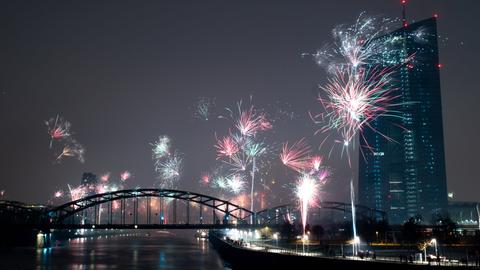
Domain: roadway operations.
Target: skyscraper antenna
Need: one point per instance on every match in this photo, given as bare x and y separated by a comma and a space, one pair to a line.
404, 14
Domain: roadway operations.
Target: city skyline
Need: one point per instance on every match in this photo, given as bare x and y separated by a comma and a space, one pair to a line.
114, 91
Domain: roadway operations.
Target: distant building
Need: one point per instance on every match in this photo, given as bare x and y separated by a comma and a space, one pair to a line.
464, 213
406, 177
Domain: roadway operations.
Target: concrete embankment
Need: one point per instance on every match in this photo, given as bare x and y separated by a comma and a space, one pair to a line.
244, 258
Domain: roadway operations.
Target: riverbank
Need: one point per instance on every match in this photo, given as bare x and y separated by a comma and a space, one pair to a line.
241, 257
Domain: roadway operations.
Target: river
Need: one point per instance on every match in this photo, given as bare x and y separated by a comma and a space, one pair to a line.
131, 250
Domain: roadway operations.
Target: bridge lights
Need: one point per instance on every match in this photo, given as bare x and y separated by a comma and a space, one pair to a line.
136, 227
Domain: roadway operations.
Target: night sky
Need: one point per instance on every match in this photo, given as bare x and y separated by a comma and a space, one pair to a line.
125, 72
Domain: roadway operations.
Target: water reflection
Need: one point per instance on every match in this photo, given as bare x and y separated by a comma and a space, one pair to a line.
155, 250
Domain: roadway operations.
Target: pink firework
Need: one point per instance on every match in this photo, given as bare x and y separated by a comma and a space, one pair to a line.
57, 129
116, 205
78, 192
226, 147
58, 194
124, 176
296, 156
316, 161
356, 98
105, 177
250, 122
205, 179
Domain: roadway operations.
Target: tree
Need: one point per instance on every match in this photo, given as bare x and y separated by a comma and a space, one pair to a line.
287, 230
411, 230
318, 231
446, 230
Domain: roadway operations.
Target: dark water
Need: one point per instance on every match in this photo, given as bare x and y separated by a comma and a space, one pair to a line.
155, 250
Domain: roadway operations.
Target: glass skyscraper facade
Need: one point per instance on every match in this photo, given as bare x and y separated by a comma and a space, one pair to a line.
405, 176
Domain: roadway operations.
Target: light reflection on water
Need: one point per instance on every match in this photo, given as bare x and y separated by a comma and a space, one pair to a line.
155, 250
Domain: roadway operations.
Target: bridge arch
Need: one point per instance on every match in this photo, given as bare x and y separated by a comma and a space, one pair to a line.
74, 211
282, 213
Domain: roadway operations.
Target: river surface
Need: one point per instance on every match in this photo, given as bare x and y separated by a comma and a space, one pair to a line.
142, 250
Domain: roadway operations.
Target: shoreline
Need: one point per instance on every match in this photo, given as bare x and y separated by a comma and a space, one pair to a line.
242, 258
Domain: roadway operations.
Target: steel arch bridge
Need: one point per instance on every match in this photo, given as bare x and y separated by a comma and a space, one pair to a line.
149, 208
280, 214
156, 209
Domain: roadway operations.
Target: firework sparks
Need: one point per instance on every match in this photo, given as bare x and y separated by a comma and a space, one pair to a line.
306, 191
58, 129
316, 161
235, 183
161, 148
105, 177
229, 184
72, 149
296, 156
354, 100
220, 182
58, 194
205, 178
169, 170
253, 149
250, 122
359, 44
361, 62
226, 147
203, 108
77, 192
125, 175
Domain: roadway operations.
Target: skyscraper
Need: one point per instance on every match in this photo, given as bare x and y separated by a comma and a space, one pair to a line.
406, 176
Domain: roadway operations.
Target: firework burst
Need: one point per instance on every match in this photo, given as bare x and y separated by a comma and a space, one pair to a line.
306, 191
205, 178
296, 156
243, 148
203, 108
226, 147
72, 149
58, 194
161, 148
353, 101
361, 62
235, 183
58, 129
169, 170
125, 175
251, 121
366, 42
77, 193
105, 177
